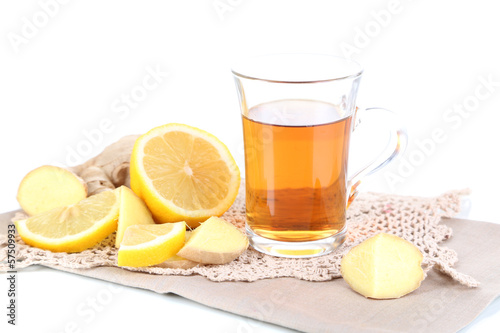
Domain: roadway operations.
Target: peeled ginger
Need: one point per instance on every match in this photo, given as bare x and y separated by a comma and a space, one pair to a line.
215, 241
49, 187
383, 266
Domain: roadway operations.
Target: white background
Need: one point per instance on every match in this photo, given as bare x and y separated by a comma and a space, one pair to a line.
62, 79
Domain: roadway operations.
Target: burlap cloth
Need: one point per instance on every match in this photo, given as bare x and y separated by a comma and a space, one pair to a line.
281, 291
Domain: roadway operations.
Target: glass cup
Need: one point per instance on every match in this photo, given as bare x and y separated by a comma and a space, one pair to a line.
298, 113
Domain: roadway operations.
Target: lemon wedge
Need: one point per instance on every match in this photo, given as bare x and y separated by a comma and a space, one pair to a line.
150, 244
132, 211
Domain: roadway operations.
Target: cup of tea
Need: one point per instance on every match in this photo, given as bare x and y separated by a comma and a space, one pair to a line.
299, 113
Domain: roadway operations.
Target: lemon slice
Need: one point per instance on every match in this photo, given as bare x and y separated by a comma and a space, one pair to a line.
183, 174
150, 244
72, 228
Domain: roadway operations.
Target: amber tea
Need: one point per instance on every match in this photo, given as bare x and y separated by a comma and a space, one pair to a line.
296, 169
298, 112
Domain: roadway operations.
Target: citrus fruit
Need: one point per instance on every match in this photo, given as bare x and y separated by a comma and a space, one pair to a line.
150, 244
132, 211
183, 174
72, 228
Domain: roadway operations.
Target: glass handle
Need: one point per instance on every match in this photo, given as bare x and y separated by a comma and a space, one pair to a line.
396, 145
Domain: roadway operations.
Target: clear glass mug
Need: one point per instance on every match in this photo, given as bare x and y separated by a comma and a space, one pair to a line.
298, 113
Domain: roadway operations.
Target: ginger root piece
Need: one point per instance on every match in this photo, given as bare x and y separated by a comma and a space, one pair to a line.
383, 266
178, 262
215, 241
132, 211
109, 169
49, 187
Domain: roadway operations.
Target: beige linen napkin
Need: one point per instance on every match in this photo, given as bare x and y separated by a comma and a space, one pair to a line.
439, 305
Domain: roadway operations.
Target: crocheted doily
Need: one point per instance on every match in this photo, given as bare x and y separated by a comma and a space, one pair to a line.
415, 219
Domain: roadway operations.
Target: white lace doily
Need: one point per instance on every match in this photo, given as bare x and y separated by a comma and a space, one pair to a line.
415, 219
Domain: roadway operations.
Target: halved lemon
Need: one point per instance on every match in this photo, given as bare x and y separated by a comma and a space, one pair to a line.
150, 244
72, 228
183, 174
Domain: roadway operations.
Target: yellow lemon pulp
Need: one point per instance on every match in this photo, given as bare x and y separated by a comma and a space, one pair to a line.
132, 211
183, 174
150, 244
72, 228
